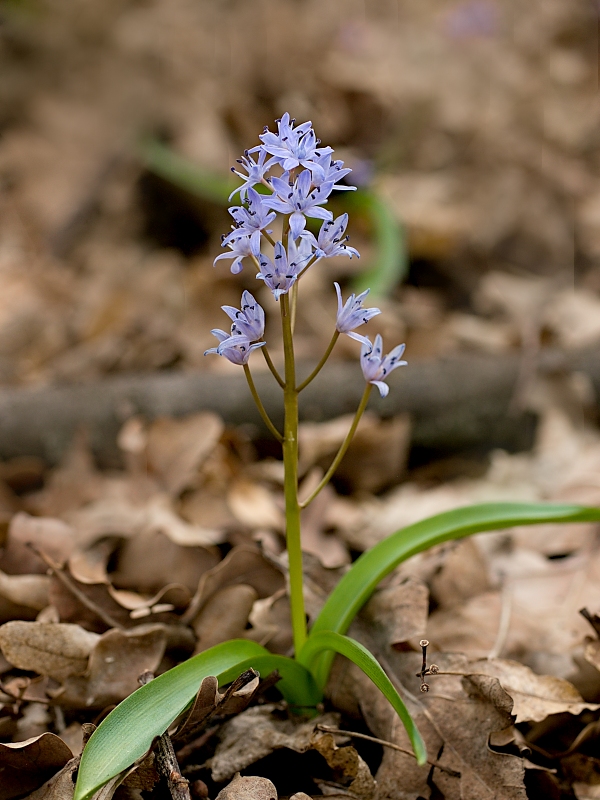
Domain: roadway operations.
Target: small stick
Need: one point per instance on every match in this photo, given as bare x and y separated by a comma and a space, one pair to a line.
384, 743
166, 760
425, 670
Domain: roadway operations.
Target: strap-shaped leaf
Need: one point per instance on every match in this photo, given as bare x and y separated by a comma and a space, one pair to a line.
128, 731
317, 643
358, 584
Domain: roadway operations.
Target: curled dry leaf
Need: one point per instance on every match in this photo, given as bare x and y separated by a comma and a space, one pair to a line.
255, 733
248, 787
58, 650
350, 769
535, 696
25, 766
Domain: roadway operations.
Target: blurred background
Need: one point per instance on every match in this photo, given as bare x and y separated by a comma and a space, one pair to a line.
471, 125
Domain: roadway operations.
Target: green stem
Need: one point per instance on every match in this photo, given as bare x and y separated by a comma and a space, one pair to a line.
260, 406
342, 451
272, 367
321, 363
290, 463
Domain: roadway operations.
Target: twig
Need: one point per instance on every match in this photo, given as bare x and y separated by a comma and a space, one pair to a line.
593, 619
166, 760
384, 743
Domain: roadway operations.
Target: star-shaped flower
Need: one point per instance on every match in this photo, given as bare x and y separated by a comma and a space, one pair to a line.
279, 275
236, 348
249, 320
352, 315
291, 146
377, 368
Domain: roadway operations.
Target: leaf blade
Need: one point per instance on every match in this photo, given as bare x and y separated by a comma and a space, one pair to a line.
359, 582
128, 731
329, 640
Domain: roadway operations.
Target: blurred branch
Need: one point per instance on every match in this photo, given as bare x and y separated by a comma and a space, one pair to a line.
455, 403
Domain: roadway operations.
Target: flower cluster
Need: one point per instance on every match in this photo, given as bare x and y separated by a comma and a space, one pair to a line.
291, 174
306, 177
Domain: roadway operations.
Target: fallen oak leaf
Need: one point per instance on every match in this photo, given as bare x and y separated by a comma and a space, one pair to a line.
535, 696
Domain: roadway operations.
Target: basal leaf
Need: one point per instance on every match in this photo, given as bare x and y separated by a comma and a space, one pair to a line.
318, 643
128, 731
359, 582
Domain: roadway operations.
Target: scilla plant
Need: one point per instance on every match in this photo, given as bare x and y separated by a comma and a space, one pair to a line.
291, 178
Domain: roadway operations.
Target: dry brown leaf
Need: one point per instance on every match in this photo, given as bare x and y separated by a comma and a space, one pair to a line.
463, 575
328, 548
535, 696
398, 613
224, 616
27, 765
53, 537
61, 786
177, 448
248, 788
243, 564
59, 650
255, 506
254, 734
115, 663
149, 560
270, 620
350, 769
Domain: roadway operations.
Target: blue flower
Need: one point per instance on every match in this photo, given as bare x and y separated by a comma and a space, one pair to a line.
278, 274
236, 348
352, 314
241, 247
299, 199
249, 321
291, 146
374, 367
256, 171
325, 171
250, 219
331, 240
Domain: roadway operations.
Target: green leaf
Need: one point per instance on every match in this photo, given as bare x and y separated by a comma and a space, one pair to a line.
390, 263
317, 643
128, 731
357, 585
160, 159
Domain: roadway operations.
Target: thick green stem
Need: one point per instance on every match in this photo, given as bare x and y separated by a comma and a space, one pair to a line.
272, 367
260, 406
290, 463
321, 363
342, 451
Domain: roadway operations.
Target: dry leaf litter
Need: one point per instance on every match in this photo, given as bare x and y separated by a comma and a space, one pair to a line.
479, 122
